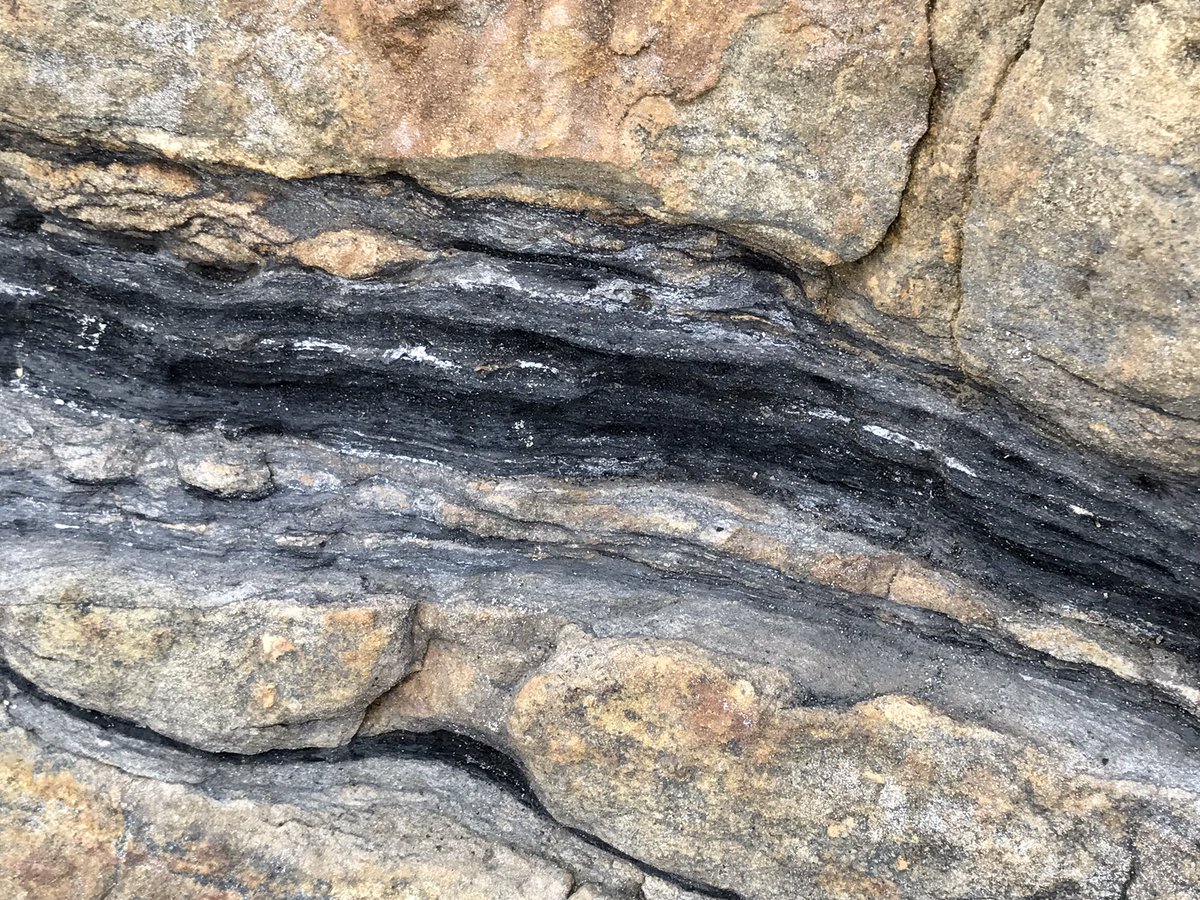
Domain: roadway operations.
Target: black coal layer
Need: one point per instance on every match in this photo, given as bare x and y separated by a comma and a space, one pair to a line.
537, 341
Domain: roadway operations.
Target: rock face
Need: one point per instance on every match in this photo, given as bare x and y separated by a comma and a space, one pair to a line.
596, 451
86, 812
786, 122
226, 673
1083, 241
848, 138
884, 797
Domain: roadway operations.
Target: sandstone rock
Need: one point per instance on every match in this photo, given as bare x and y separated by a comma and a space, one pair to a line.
670, 750
212, 227
461, 679
354, 253
148, 198
111, 456
99, 826
658, 747
446, 407
906, 293
657, 889
787, 123
474, 656
1082, 251
234, 672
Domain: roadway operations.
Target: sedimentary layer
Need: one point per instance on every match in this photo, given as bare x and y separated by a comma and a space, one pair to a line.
609, 500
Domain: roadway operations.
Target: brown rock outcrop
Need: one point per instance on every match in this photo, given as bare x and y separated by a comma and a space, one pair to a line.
707, 766
230, 672
1082, 254
138, 821
1041, 240
786, 122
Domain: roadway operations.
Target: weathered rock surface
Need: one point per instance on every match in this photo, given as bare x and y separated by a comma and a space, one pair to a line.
88, 812
778, 800
789, 123
1083, 242
848, 138
599, 452
223, 671
717, 703
907, 292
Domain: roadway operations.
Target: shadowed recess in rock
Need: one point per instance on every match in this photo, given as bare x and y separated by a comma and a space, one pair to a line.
116, 741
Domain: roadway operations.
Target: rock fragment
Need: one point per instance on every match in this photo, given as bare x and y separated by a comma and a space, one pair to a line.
244, 672
221, 468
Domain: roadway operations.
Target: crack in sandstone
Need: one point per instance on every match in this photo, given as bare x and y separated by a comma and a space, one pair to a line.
903, 198
1140, 400
461, 751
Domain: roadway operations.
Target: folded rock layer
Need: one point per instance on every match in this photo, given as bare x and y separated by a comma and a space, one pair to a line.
554, 450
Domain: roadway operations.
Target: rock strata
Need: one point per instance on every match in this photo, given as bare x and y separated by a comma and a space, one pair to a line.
599, 451
89, 812
786, 122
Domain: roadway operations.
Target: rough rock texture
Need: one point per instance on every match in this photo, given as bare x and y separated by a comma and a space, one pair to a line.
907, 292
86, 812
599, 451
905, 793
921, 165
1083, 242
228, 672
786, 122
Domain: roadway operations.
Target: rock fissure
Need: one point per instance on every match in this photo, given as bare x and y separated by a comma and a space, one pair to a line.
479, 759
972, 175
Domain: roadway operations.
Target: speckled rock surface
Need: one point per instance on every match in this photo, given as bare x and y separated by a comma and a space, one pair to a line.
786, 122
1083, 241
599, 451
296, 667
885, 797
848, 139
86, 811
